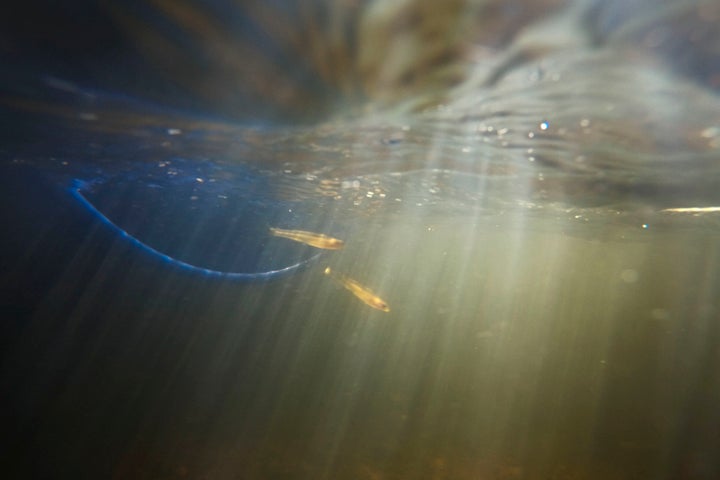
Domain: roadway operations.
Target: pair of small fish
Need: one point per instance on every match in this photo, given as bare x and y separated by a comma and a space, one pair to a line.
319, 240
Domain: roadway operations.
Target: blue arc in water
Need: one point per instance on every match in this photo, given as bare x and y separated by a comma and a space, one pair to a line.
76, 191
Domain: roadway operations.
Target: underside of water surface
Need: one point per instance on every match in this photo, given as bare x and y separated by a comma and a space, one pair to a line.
531, 187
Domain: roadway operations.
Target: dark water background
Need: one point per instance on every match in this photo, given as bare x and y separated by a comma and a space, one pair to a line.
509, 193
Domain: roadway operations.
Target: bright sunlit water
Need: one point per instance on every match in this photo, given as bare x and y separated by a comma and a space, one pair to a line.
554, 307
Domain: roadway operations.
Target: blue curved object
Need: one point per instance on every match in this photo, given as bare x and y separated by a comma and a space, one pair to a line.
76, 191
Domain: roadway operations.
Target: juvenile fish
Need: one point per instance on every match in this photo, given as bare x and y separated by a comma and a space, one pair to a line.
358, 290
317, 240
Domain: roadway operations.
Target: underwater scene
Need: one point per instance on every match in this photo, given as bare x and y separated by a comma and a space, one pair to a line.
360, 239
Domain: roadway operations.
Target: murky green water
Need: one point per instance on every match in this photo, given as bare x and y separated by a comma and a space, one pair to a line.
513, 349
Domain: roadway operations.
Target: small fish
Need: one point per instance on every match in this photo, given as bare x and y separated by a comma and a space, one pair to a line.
317, 240
358, 290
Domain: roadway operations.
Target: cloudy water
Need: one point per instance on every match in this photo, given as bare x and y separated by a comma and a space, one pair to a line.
529, 213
